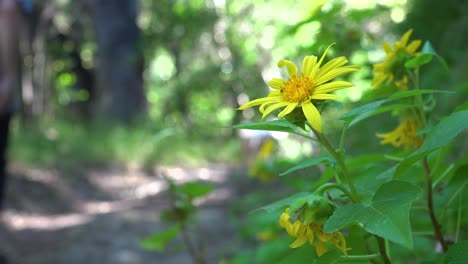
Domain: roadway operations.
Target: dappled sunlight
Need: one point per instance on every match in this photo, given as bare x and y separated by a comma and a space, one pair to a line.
17, 221
129, 191
212, 173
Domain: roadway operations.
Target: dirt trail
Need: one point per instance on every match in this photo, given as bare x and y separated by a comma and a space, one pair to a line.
99, 215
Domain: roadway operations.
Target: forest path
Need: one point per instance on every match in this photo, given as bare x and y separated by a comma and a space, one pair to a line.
98, 215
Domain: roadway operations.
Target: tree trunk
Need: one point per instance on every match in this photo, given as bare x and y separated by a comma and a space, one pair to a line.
119, 61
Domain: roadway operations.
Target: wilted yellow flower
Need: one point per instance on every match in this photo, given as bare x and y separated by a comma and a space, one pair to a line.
405, 134
393, 69
312, 233
314, 84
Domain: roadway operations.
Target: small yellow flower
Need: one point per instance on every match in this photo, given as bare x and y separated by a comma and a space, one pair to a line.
315, 83
402, 84
393, 67
265, 155
305, 233
405, 134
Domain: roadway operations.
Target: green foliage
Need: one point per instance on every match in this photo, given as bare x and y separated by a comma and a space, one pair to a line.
326, 159
365, 111
441, 135
457, 253
195, 189
158, 241
387, 215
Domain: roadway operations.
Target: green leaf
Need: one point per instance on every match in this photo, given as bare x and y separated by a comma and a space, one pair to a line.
364, 111
457, 254
387, 215
361, 109
462, 107
304, 254
410, 93
380, 110
418, 61
272, 251
195, 189
331, 257
327, 159
281, 204
275, 125
427, 49
158, 241
441, 135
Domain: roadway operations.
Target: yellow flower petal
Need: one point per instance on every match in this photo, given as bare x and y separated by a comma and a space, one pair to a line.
307, 64
333, 64
290, 66
260, 101
276, 83
405, 38
335, 73
320, 248
289, 108
325, 97
387, 48
413, 46
313, 116
298, 242
273, 107
317, 65
332, 86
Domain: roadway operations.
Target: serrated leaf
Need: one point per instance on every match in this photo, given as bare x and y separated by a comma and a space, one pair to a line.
195, 189
457, 254
275, 125
158, 241
387, 215
281, 204
418, 61
441, 135
309, 163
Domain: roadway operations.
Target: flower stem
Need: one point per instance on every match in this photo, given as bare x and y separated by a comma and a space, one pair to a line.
327, 186
360, 257
323, 140
343, 136
430, 205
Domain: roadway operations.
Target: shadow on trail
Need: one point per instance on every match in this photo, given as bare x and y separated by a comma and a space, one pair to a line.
99, 215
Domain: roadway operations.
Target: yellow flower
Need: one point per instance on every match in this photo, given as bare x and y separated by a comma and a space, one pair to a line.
405, 134
402, 84
264, 156
305, 233
314, 83
393, 66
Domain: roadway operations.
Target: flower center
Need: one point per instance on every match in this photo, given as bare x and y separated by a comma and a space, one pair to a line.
297, 89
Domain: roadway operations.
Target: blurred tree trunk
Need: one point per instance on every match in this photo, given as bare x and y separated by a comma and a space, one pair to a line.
119, 61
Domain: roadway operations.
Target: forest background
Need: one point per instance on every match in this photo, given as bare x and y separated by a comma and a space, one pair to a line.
139, 85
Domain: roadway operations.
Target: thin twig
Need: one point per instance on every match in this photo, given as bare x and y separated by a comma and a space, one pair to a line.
430, 205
